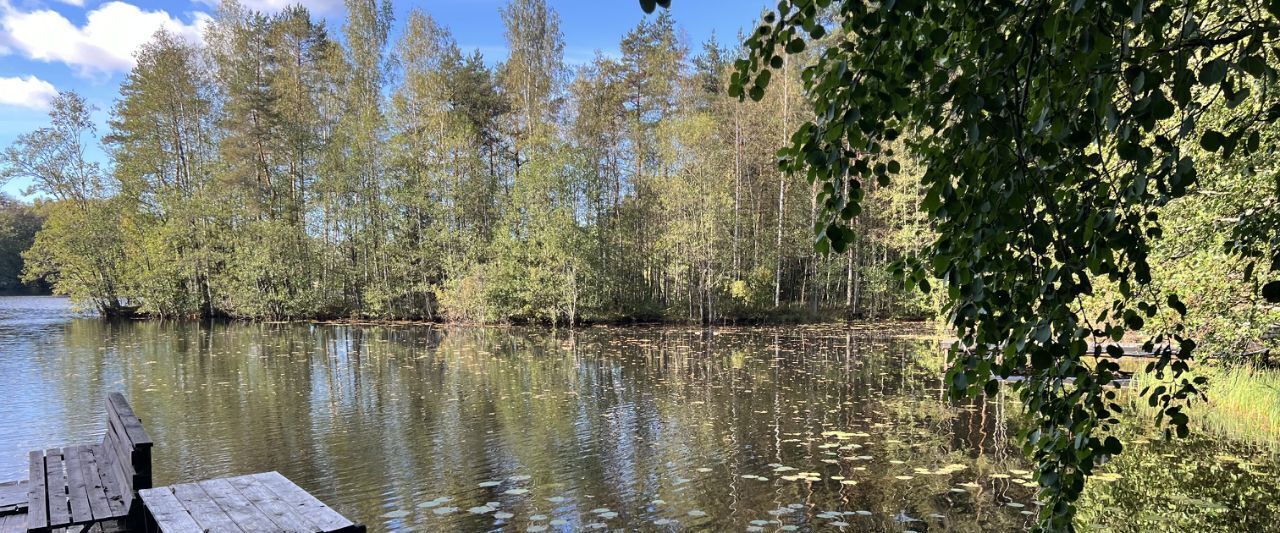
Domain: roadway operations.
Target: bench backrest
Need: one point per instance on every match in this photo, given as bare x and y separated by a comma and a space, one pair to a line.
127, 446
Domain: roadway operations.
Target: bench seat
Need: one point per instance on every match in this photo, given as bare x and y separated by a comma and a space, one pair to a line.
91, 483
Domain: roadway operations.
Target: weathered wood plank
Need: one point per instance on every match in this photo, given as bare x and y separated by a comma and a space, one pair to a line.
203, 509
77, 493
95, 493
37, 501
167, 512
247, 516
118, 497
13, 496
304, 503
272, 505
56, 477
13, 523
120, 408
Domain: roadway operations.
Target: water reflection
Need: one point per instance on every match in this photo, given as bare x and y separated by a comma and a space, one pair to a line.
526, 429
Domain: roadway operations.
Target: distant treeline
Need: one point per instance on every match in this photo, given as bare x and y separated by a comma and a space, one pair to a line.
277, 172
18, 226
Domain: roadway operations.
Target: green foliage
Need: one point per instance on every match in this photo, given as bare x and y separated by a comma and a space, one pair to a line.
276, 173
80, 252
1050, 134
18, 226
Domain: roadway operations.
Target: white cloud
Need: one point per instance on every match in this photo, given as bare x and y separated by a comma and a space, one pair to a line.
321, 7
104, 44
30, 92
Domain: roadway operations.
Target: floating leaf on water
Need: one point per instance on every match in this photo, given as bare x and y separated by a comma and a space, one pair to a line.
518, 478
601, 510
559, 522
697, 513
1000, 476
755, 529
501, 515
863, 513
435, 502
904, 478
445, 510
609, 515
658, 502
536, 529
658, 522
396, 514
790, 528
516, 492
538, 517
487, 484
848, 482
839, 524
557, 499
704, 470
1015, 505
481, 509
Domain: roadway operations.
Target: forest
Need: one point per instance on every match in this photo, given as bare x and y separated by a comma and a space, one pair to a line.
281, 172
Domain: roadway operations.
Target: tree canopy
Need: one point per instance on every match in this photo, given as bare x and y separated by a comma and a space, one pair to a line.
1050, 133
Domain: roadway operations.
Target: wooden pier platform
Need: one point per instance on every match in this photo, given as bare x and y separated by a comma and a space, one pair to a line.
253, 503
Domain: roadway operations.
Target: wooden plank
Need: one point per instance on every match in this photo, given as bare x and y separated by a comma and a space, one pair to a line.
274, 507
118, 498
119, 407
95, 492
37, 500
167, 512
247, 516
122, 454
203, 509
13, 496
77, 492
56, 477
13, 523
304, 503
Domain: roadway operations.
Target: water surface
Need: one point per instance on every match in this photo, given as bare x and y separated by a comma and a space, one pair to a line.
431, 428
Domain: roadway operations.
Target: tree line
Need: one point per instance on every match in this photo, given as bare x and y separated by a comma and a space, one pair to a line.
277, 171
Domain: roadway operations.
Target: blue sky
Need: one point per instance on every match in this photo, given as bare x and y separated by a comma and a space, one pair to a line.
86, 45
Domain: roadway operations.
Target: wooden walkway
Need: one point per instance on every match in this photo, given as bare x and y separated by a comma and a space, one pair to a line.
253, 503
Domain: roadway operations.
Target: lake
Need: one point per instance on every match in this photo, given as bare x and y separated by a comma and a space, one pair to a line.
648, 428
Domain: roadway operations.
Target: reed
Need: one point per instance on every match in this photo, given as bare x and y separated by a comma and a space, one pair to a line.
1242, 402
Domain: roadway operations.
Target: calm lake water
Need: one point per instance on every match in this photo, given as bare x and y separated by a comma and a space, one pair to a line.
649, 429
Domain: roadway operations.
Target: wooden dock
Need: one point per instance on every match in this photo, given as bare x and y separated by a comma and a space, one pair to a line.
249, 504
107, 487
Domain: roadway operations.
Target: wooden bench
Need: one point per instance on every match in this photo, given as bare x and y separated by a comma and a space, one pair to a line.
92, 483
